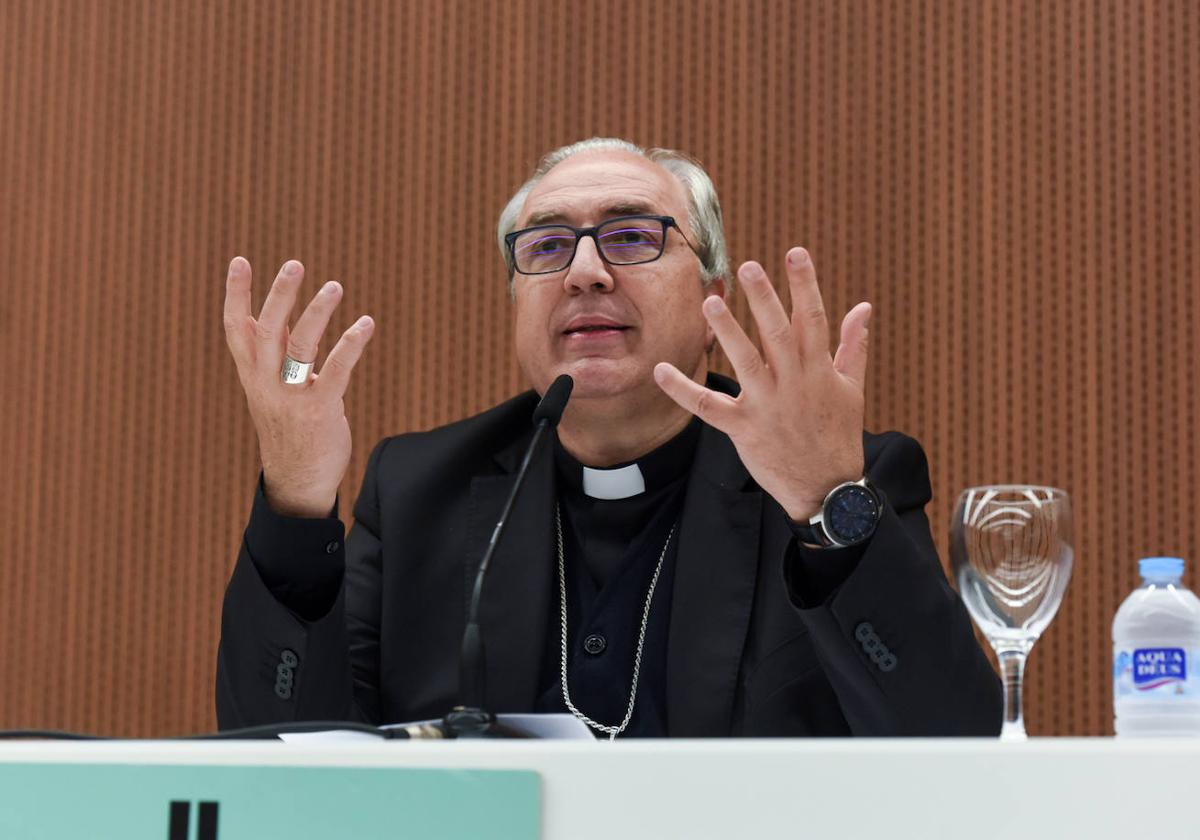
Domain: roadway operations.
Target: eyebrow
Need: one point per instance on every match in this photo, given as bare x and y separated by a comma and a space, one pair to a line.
553, 215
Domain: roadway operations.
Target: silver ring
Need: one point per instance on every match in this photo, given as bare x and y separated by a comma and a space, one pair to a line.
294, 372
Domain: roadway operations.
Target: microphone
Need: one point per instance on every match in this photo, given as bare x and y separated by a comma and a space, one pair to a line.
469, 720
554, 403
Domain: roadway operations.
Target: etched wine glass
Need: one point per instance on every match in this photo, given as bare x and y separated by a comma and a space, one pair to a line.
1010, 546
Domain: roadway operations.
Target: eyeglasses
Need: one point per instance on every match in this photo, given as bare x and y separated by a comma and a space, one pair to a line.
624, 240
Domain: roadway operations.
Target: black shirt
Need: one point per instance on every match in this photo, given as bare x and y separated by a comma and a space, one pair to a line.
612, 549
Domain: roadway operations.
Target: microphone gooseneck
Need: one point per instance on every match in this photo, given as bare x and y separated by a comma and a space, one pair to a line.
469, 719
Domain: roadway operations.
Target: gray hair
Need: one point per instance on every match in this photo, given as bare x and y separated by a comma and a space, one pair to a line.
704, 210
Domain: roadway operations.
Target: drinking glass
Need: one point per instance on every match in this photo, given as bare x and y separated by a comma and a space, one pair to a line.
1010, 546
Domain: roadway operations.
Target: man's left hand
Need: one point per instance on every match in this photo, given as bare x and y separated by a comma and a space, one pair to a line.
797, 423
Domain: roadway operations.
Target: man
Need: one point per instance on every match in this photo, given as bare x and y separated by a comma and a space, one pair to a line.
691, 556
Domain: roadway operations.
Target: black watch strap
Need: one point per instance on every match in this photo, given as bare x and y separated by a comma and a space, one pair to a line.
811, 536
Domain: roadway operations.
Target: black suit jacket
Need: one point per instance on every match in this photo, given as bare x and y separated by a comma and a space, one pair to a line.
765, 638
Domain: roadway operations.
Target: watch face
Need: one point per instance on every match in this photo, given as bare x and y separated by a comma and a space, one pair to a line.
851, 514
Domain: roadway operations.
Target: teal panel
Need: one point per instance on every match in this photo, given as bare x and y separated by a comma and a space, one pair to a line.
133, 802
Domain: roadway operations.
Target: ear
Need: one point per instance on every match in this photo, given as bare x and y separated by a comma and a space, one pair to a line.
716, 287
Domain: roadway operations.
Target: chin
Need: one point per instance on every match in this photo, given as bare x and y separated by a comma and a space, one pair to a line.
597, 378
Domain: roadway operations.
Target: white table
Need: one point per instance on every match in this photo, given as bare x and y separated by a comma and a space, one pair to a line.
1094, 788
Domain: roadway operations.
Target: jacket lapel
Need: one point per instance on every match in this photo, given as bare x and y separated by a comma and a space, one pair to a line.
513, 611
715, 575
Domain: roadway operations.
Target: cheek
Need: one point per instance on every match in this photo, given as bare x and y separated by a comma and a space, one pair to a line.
680, 328
530, 317
522, 333
686, 311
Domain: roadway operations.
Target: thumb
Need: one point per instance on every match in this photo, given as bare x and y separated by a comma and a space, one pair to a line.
851, 358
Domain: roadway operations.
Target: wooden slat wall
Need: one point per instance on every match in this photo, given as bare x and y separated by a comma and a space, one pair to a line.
1016, 185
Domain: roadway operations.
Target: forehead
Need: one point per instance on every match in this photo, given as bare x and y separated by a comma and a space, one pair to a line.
591, 185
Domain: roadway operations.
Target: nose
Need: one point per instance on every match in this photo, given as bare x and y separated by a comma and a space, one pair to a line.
587, 272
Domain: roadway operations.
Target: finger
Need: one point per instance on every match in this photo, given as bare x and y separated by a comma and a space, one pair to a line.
851, 358
306, 335
335, 373
717, 410
743, 355
808, 310
239, 324
774, 328
273, 319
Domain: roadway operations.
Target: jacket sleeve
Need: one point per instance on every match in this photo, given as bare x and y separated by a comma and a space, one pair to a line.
300, 620
894, 639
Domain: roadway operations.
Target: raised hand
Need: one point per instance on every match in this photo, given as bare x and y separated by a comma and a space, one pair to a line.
303, 436
798, 422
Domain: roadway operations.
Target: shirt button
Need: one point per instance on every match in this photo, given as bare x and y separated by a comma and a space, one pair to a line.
595, 644
331, 546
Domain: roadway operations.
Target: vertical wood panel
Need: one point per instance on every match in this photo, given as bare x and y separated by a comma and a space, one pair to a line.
1015, 185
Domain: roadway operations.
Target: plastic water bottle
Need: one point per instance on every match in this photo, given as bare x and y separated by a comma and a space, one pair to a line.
1156, 655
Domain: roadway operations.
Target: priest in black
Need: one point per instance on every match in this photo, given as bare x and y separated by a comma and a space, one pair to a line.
690, 556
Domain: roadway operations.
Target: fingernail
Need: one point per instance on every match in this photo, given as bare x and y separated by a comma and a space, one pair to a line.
751, 270
713, 305
292, 268
799, 257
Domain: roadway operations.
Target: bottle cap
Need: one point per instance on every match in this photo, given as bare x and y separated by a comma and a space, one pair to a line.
1160, 567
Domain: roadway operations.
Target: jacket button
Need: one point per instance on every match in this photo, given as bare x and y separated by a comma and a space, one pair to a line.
595, 644
864, 631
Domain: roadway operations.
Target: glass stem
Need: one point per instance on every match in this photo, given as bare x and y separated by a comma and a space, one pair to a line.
1012, 670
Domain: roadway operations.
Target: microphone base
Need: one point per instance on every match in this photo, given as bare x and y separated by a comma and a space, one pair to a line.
470, 722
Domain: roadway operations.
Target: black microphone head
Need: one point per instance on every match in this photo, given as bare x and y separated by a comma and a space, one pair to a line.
554, 401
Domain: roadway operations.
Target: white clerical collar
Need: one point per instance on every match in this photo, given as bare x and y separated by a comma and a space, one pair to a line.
620, 483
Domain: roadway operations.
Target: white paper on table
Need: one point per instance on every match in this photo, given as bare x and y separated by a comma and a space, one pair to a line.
557, 726
328, 736
561, 727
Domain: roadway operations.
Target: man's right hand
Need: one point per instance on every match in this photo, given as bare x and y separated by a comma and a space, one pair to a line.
303, 435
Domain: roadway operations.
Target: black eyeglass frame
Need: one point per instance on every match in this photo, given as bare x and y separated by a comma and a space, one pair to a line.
667, 222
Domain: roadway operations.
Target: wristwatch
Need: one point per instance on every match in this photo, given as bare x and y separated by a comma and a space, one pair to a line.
848, 516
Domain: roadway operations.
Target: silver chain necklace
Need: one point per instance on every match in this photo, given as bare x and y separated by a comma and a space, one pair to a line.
611, 731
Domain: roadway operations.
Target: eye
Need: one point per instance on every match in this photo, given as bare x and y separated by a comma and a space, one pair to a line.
631, 233
542, 243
